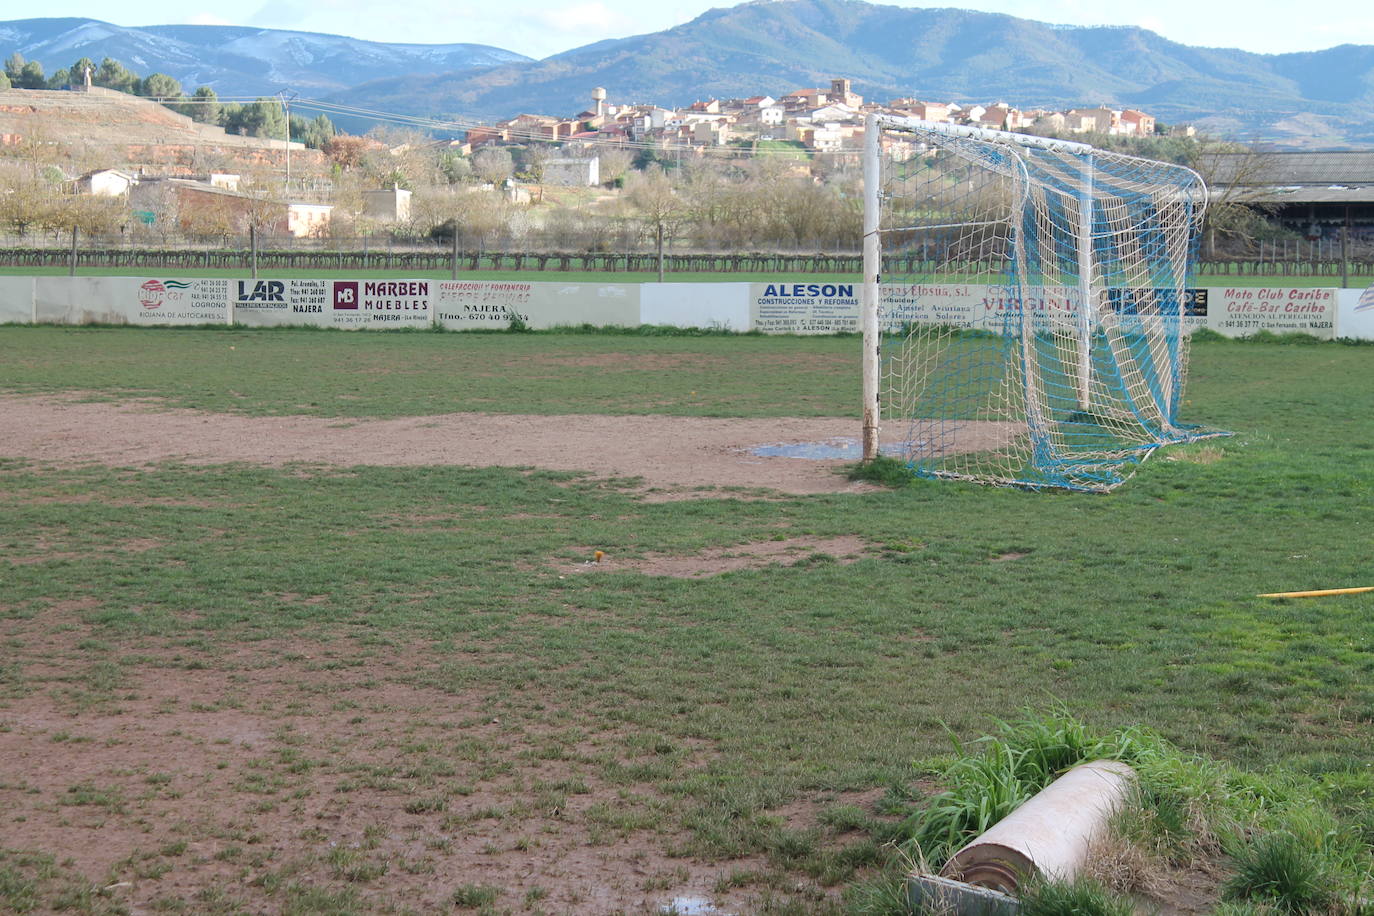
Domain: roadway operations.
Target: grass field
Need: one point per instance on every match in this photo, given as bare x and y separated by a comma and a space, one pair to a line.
365, 687
1357, 281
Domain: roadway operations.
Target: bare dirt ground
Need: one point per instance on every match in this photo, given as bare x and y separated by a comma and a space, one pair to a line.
671, 454
188, 778
219, 782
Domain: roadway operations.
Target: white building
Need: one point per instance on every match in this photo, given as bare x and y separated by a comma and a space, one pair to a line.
106, 183
389, 205
573, 173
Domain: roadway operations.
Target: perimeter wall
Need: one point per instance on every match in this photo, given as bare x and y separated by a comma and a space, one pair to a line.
790, 306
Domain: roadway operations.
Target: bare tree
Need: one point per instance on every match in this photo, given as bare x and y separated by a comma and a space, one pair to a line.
615, 162
477, 217
29, 200
1237, 176
493, 164
653, 197
533, 160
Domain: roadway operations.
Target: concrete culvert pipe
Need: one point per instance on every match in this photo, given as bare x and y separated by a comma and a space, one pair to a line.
1049, 836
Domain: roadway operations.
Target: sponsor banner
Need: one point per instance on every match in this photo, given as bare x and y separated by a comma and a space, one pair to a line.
347, 304
130, 300
804, 308
956, 304
274, 303
811, 308
1355, 318
490, 304
999, 308
169, 302
16, 300
1242, 311
1128, 303
381, 303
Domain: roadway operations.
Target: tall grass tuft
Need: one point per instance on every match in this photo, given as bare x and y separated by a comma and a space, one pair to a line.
1077, 898
884, 471
1284, 870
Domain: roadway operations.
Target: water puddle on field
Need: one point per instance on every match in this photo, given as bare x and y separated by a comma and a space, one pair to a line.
844, 447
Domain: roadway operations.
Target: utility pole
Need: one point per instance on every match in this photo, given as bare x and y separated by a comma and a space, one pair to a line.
287, 96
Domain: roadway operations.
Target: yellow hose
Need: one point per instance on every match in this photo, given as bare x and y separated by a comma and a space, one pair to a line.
1320, 592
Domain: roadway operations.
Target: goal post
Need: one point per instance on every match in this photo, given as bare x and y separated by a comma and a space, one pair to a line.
872, 270
1024, 304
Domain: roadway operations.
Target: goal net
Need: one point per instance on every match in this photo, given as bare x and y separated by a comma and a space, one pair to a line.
1033, 304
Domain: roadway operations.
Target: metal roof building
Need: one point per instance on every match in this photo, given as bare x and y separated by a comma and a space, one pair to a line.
1303, 190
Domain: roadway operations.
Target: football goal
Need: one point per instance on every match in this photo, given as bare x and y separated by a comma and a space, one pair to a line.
1026, 304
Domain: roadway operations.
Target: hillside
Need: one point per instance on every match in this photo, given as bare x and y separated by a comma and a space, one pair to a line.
236, 61
103, 128
773, 46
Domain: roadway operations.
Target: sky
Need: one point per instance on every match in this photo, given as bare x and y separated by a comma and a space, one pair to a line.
538, 28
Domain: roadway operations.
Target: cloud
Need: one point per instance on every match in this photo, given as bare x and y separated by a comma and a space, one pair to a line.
593, 16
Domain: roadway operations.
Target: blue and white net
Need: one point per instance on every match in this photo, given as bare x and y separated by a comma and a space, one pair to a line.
1035, 307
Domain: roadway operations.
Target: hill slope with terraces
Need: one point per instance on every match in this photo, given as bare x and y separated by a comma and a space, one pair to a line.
100, 128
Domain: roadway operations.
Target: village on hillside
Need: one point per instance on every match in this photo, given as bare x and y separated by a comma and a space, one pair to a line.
117, 165
822, 120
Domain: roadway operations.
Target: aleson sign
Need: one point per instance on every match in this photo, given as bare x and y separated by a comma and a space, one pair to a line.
804, 308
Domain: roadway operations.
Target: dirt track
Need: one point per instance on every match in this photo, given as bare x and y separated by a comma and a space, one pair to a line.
677, 453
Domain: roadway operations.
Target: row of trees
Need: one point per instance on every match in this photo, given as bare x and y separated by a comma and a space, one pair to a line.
108, 74
32, 201
264, 117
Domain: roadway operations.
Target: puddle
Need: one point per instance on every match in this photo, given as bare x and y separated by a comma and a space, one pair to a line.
692, 906
837, 447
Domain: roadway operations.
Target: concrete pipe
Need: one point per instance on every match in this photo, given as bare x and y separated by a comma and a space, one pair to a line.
1049, 835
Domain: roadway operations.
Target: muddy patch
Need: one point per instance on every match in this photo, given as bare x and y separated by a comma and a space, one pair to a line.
706, 456
756, 555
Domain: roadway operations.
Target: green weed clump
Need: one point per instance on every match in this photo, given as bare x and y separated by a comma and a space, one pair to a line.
1283, 870
1076, 898
884, 471
475, 896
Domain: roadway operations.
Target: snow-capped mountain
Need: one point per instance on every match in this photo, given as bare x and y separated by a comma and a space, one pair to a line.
235, 60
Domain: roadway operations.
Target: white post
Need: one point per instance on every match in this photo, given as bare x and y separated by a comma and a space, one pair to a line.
872, 258
286, 107
1085, 288
286, 96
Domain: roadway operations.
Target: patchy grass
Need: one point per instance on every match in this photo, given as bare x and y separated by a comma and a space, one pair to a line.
33, 883
314, 651
339, 374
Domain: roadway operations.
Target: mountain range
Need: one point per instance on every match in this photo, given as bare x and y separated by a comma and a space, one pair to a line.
239, 61
1312, 99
